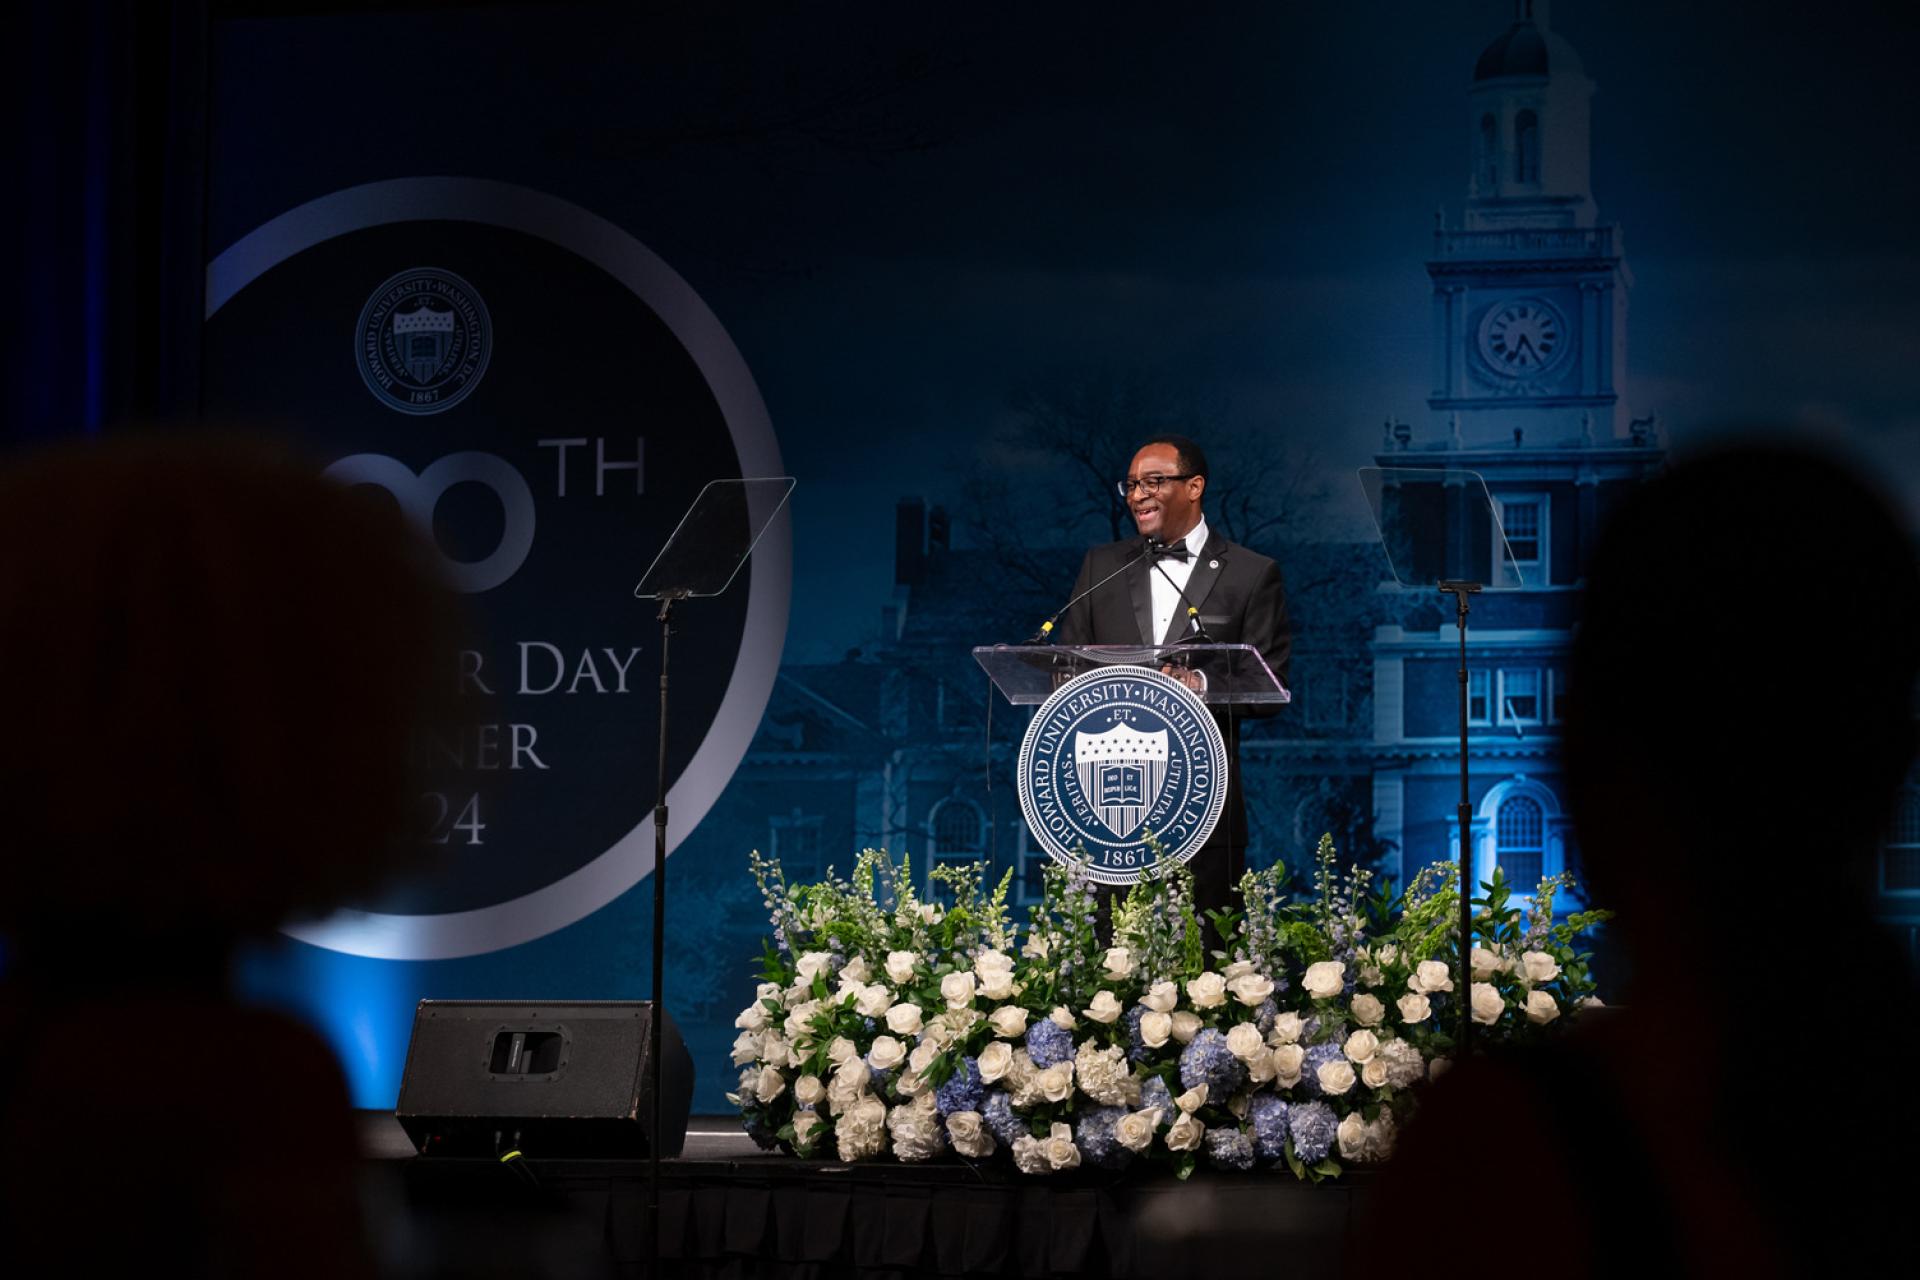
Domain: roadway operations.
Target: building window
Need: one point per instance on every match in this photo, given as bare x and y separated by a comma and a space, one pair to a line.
1519, 836
795, 840
954, 831
1478, 707
1489, 152
1526, 147
1524, 527
1520, 696
1325, 697
1556, 695
1900, 856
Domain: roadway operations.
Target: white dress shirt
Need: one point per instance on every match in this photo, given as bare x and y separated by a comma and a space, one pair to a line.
1166, 601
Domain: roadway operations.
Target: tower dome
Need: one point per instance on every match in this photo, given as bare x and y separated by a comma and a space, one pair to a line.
1527, 48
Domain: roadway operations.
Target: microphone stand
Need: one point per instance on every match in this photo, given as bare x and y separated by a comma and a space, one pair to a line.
1045, 634
1460, 591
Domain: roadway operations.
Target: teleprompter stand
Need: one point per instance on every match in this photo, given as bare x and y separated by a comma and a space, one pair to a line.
1441, 529
700, 560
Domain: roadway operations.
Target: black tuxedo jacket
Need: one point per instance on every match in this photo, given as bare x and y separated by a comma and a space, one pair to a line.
1242, 601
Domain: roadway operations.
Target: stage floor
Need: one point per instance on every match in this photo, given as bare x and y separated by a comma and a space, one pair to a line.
728, 1208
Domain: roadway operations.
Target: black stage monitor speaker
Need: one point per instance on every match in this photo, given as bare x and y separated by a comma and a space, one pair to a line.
551, 1079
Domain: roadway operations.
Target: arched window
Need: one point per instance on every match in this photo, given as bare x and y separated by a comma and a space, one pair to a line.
955, 829
1519, 836
1526, 147
1900, 856
1489, 157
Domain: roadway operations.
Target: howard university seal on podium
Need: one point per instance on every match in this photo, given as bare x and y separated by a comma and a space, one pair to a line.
1115, 757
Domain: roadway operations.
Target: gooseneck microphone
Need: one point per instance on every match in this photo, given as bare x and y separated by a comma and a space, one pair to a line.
1045, 634
1160, 550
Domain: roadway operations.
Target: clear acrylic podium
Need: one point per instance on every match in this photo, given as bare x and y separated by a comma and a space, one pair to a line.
1025, 674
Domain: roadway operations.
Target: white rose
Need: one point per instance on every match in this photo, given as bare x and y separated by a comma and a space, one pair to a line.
900, 966
1260, 1069
970, 1136
754, 1017
957, 990
1353, 1137
846, 1084
855, 970
1430, 977
862, 1131
1207, 991
1009, 1021
798, 1019
1335, 1077
1325, 979
1135, 1130
1486, 1003
886, 1054
1485, 964
1361, 1046
841, 1051
1368, 1011
814, 964
1161, 997
1439, 1067
1029, 1155
1250, 988
1186, 1025
770, 1085
778, 1052
1239, 968
1193, 1099
1415, 1007
1590, 1002
1062, 1019
1118, 962
994, 1060
1374, 1073
1021, 1070
1246, 1043
746, 1048
1105, 1008
1186, 1133
808, 1091
767, 991
1155, 1028
904, 1020
1059, 1148
1287, 1028
1540, 1008
916, 1128
909, 1084
804, 1123
1539, 966
1287, 1059
1055, 1084
1000, 988
995, 969
873, 1001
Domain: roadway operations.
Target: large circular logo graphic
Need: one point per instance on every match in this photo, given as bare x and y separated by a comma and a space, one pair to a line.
1117, 757
423, 341
547, 494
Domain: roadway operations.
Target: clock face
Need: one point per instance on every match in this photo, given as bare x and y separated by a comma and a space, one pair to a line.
1523, 337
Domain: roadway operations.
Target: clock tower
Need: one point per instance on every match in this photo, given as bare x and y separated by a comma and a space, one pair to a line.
1530, 294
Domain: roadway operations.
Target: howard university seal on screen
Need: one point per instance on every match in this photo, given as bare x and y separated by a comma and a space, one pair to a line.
423, 341
1118, 755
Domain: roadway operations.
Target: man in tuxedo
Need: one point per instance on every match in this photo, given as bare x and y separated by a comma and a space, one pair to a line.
1237, 591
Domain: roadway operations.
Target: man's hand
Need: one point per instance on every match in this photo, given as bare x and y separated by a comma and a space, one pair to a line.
1186, 676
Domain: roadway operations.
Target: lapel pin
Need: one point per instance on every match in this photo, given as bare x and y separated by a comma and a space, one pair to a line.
1213, 564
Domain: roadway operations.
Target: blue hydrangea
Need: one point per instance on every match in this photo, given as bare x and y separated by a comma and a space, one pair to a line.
997, 1111
1317, 1056
879, 1080
963, 1090
1267, 1114
1229, 1149
1154, 1093
1049, 1044
754, 1119
1265, 1012
1138, 1050
1208, 1061
1312, 1125
1095, 1137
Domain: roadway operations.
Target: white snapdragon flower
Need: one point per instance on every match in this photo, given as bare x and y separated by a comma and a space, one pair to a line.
1161, 997
1367, 1010
1486, 1003
1415, 1007
1388, 954
1207, 991
1105, 1009
1325, 979
1541, 1008
1037, 947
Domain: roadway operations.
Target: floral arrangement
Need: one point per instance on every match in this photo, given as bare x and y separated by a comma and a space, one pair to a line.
885, 1024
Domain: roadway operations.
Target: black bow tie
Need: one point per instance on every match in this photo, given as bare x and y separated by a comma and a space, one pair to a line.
1173, 551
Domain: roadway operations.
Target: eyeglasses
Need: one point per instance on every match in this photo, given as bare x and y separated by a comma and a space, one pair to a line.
1148, 484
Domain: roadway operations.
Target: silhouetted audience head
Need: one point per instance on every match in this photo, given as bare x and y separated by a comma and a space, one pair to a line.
214, 658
